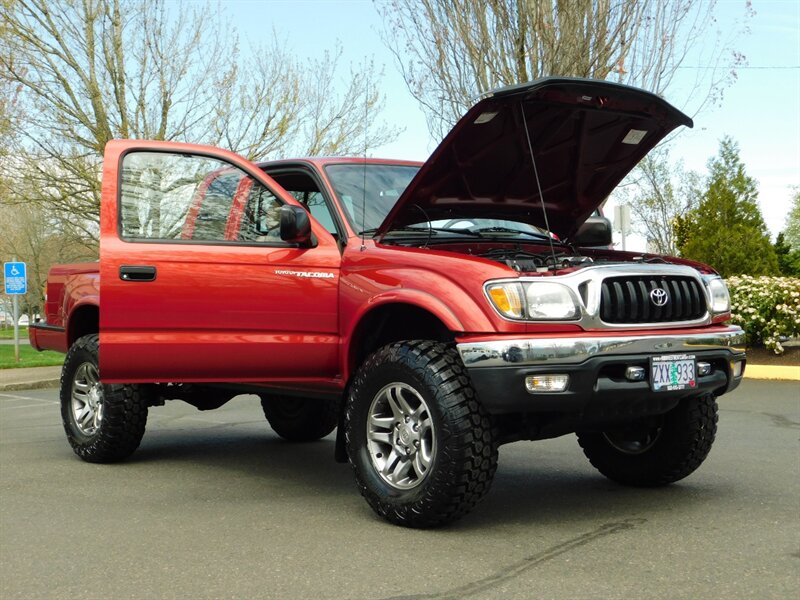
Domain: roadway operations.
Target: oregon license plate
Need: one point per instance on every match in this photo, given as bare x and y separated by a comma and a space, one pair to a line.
672, 372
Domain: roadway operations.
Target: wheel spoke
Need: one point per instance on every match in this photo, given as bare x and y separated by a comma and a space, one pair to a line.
424, 427
420, 413
397, 403
87, 418
382, 422
420, 464
425, 455
381, 437
92, 376
81, 397
80, 411
400, 471
390, 461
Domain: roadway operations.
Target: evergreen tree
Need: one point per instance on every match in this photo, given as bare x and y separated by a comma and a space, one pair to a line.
727, 230
788, 259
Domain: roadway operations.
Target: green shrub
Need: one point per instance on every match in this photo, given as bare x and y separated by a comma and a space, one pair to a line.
767, 308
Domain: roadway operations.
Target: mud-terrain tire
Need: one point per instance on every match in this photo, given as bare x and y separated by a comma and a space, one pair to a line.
301, 419
422, 447
103, 423
658, 452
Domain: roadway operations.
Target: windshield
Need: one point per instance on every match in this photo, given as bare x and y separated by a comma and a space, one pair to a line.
384, 184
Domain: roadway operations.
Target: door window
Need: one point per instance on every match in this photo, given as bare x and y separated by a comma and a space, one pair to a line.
305, 190
174, 197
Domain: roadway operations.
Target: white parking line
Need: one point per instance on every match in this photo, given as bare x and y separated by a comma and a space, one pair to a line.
27, 406
30, 399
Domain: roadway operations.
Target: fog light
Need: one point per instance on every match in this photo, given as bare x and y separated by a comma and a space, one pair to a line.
703, 368
546, 383
634, 374
738, 368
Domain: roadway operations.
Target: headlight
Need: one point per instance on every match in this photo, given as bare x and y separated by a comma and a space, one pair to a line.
720, 300
535, 301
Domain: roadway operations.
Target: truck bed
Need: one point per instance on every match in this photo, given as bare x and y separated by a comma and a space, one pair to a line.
69, 286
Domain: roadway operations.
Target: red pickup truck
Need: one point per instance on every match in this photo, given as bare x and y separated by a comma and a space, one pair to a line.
433, 312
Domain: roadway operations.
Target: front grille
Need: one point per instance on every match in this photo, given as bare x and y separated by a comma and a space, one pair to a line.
628, 299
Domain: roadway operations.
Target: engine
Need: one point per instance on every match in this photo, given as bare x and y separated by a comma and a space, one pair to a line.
524, 261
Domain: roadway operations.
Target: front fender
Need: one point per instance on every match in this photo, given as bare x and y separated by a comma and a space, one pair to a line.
440, 294
442, 298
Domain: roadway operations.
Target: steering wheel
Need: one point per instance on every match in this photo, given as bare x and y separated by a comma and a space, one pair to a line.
452, 222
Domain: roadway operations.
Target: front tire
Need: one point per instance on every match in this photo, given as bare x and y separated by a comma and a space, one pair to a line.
103, 423
657, 451
422, 447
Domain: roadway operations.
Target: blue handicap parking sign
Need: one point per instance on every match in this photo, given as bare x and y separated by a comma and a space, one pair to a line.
15, 277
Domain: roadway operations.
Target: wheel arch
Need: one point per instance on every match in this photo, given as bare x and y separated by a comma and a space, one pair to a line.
83, 320
395, 320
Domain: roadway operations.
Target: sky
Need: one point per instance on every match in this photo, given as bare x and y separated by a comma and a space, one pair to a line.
760, 110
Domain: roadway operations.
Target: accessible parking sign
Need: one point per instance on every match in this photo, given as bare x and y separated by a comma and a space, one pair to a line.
16, 278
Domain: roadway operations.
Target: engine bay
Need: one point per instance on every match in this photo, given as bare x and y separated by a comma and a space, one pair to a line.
540, 258
525, 261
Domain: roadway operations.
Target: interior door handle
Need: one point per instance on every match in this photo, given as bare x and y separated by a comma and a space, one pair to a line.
137, 273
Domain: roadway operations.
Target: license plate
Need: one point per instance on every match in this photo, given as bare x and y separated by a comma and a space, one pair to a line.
672, 372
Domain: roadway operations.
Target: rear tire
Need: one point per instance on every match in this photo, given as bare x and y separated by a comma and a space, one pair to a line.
422, 447
103, 423
658, 451
301, 419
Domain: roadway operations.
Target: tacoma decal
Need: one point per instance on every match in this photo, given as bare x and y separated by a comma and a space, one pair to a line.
308, 274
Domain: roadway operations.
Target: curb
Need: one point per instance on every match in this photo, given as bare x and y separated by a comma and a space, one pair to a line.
779, 373
30, 385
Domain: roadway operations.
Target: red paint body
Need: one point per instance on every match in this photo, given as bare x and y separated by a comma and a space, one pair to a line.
223, 313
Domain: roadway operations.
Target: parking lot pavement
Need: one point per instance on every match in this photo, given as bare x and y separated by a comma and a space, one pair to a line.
214, 505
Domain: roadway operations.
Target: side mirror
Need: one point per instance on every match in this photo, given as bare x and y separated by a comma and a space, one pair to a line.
295, 225
595, 231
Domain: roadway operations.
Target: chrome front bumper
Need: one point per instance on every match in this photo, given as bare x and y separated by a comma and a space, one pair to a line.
598, 389
574, 350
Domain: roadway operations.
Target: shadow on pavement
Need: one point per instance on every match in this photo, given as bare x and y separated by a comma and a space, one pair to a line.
260, 465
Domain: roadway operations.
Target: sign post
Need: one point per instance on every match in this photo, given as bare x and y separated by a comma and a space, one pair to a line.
622, 221
16, 280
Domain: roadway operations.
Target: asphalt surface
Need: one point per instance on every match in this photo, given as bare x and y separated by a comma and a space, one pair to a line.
214, 505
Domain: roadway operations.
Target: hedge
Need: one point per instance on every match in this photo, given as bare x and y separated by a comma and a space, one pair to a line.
767, 308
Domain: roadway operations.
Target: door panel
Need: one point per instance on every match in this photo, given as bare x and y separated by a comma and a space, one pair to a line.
227, 300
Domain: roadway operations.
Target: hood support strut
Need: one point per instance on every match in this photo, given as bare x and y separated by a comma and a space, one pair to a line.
538, 182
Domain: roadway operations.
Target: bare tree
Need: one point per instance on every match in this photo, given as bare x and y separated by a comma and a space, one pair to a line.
9, 92
452, 51
792, 230
659, 192
282, 105
93, 70
35, 237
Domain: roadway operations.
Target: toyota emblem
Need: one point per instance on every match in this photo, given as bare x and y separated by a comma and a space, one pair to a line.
659, 296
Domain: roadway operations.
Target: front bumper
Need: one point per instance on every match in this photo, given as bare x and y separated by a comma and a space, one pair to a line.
596, 367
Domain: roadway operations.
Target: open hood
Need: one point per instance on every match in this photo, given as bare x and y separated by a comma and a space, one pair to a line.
586, 136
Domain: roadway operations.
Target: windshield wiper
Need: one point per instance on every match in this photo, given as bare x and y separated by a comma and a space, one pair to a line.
482, 231
425, 231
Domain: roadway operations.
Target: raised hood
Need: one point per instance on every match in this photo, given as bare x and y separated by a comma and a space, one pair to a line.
586, 136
